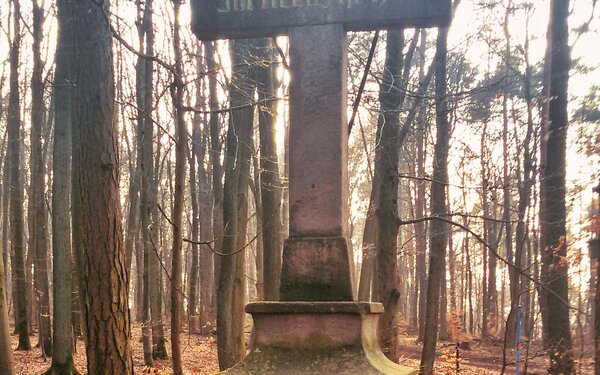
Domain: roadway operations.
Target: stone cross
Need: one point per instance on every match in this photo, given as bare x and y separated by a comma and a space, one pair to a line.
317, 260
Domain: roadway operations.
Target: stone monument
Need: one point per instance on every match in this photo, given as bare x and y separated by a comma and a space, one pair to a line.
317, 327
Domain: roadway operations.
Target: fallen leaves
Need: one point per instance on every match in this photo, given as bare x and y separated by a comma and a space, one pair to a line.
199, 356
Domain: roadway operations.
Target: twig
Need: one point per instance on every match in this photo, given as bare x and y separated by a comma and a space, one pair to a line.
495, 253
363, 81
281, 54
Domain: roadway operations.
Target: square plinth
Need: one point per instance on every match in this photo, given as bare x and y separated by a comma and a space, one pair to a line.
300, 338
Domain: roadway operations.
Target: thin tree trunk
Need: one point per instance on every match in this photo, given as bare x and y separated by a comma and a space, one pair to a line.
177, 214
62, 350
241, 87
245, 151
526, 181
420, 228
7, 252
217, 169
258, 274
438, 229
487, 305
206, 317
270, 185
6, 356
192, 289
144, 88
38, 213
413, 298
511, 320
13, 126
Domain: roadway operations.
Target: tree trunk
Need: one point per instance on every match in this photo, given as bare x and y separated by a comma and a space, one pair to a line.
7, 253
107, 325
146, 258
258, 274
369, 253
13, 126
6, 356
420, 228
386, 212
38, 212
511, 320
270, 185
206, 277
240, 92
526, 180
553, 206
438, 229
62, 350
490, 295
177, 214
192, 289
217, 169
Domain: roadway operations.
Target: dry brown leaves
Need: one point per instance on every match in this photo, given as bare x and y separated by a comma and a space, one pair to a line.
199, 356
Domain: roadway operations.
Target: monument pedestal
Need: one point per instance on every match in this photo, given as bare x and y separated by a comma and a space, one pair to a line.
299, 338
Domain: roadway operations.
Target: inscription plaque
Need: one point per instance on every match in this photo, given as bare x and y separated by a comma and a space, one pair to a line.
215, 19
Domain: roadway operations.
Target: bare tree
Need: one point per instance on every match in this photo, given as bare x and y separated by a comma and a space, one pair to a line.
438, 237
62, 350
553, 233
177, 214
38, 213
16, 188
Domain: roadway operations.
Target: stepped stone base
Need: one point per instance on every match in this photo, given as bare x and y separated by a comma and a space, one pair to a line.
301, 338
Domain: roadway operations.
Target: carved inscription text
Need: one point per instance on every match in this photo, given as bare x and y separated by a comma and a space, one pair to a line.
226, 6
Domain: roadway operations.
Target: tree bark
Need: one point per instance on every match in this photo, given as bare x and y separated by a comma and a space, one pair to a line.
553, 213
6, 356
193, 279
438, 229
107, 324
241, 88
144, 92
217, 168
420, 227
206, 259
13, 126
7, 253
177, 214
270, 185
62, 350
386, 212
38, 213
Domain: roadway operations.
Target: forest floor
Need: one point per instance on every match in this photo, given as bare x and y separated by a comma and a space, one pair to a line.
484, 357
199, 355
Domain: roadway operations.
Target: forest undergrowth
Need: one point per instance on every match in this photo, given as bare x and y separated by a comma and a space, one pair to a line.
199, 357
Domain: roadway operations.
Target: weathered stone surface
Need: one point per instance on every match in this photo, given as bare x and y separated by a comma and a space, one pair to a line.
318, 132
214, 19
316, 338
316, 269
314, 307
